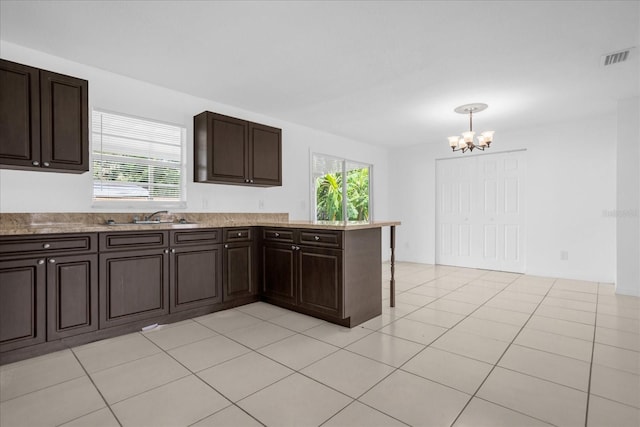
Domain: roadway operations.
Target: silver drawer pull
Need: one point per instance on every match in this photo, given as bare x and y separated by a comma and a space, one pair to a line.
46, 164
40, 261
52, 261
239, 234
276, 234
293, 247
46, 246
226, 246
35, 163
317, 238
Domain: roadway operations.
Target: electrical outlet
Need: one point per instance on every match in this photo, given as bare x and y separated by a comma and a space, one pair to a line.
564, 255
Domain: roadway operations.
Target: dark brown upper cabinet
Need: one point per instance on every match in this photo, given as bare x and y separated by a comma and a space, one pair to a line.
44, 120
228, 150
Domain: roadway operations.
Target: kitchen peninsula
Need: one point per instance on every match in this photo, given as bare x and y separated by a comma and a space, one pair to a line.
70, 278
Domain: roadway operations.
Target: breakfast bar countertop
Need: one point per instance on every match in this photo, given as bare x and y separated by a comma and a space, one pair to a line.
56, 223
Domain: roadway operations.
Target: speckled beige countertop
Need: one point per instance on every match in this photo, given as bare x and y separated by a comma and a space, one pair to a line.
52, 223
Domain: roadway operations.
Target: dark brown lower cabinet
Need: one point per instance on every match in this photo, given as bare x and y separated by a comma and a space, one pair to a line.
134, 285
22, 303
320, 280
60, 287
310, 278
279, 272
329, 274
196, 275
72, 300
240, 270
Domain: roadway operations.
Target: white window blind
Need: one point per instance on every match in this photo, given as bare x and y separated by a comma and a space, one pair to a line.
137, 161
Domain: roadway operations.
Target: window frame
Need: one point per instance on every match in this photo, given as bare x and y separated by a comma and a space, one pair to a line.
313, 207
142, 204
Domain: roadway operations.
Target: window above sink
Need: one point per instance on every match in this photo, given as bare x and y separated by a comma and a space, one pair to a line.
137, 162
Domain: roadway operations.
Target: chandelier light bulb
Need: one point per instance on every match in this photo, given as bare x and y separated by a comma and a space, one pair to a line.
468, 136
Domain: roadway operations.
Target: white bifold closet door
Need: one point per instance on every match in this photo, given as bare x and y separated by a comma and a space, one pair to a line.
480, 211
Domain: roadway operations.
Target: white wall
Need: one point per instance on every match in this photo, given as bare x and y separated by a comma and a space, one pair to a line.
571, 190
628, 197
23, 191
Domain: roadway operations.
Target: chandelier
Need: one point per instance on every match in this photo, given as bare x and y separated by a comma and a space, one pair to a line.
467, 141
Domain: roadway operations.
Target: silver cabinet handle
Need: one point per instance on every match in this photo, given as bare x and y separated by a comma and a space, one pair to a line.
40, 261
166, 251
46, 164
35, 163
297, 248
239, 234
173, 251
251, 180
226, 246
246, 180
293, 247
276, 234
46, 246
317, 238
52, 261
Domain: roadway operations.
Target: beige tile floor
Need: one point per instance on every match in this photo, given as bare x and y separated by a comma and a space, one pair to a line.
463, 347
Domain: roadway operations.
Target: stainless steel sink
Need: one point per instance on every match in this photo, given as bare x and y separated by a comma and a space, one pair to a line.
148, 222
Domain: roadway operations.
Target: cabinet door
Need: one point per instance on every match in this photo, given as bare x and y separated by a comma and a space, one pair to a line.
22, 303
72, 300
320, 279
133, 285
227, 148
196, 277
19, 115
278, 272
65, 122
265, 155
239, 274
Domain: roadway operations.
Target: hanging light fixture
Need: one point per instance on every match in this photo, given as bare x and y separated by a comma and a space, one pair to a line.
468, 139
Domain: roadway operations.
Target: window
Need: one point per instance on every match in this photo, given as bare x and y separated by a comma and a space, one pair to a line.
329, 187
137, 162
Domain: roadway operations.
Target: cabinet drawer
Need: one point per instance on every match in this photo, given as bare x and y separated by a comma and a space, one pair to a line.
13, 246
238, 234
133, 240
324, 238
195, 237
278, 234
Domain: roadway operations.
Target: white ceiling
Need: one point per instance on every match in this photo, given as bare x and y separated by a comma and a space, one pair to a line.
388, 73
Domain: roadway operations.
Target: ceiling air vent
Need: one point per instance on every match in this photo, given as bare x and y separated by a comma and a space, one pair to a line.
617, 57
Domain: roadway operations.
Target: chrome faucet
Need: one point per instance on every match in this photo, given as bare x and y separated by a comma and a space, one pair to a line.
149, 218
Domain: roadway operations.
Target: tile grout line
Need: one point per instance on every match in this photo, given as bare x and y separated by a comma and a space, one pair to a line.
191, 373
593, 346
294, 371
396, 369
302, 333
500, 358
361, 403
123, 363
97, 389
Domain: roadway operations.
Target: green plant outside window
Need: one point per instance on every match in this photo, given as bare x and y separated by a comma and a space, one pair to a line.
329, 189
